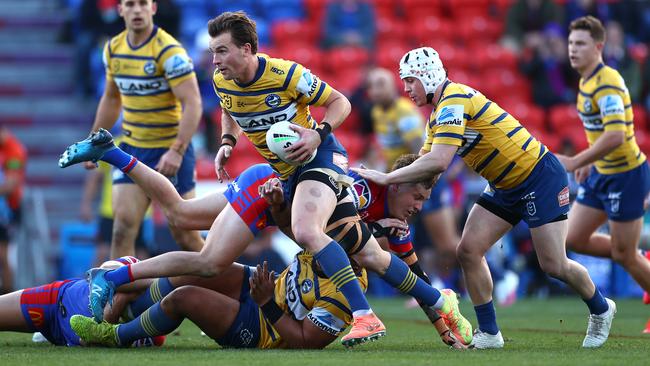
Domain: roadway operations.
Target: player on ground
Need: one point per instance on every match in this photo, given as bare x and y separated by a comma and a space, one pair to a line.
301, 309
525, 182
47, 309
150, 78
613, 172
242, 216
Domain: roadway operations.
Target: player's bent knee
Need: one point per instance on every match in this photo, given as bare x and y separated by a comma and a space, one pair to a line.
553, 268
305, 235
465, 253
180, 299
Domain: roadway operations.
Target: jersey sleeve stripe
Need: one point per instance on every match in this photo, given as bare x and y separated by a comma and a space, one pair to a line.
500, 118
133, 110
449, 135
337, 303
525, 145
485, 108
181, 75
323, 85
471, 146
514, 131
542, 150
487, 160
165, 50
503, 174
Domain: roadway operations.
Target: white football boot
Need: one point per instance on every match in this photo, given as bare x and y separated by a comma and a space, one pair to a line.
598, 327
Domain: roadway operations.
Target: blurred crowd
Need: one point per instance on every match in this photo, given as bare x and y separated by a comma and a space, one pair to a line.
514, 51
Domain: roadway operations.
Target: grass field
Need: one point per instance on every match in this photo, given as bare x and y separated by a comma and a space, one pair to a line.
537, 332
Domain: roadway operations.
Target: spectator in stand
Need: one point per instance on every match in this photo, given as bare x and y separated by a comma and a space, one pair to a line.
527, 18
617, 56
349, 23
546, 63
13, 157
579, 8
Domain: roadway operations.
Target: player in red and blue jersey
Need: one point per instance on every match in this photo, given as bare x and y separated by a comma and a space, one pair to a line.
48, 308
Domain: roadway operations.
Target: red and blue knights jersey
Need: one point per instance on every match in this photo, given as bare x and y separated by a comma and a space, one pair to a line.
372, 204
244, 198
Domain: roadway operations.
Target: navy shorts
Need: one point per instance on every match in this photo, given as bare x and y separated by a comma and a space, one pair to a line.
243, 196
245, 330
184, 181
331, 162
622, 196
105, 232
440, 197
540, 199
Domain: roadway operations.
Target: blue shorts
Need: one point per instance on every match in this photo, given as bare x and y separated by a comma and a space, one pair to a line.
440, 197
245, 330
330, 166
244, 198
184, 180
621, 196
48, 308
540, 199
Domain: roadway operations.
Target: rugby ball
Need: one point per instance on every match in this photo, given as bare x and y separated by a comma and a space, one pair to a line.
280, 137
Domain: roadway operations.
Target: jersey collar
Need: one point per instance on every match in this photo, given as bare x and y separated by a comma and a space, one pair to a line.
153, 33
600, 66
258, 74
442, 92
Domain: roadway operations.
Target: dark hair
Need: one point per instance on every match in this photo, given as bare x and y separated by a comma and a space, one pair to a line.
591, 25
242, 28
408, 159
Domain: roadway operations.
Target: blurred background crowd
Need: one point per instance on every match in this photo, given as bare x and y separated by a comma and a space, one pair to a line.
513, 51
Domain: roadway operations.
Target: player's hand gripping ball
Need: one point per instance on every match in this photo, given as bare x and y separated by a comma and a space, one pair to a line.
280, 137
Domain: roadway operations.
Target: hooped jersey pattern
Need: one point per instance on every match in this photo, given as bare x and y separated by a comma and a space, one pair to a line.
303, 295
145, 76
490, 140
280, 91
604, 104
396, 126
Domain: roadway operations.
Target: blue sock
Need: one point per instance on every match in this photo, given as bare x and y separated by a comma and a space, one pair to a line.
119, 159
402, 278
336, 265
152, 322
597, 304
160, 288
119, 276
487, 318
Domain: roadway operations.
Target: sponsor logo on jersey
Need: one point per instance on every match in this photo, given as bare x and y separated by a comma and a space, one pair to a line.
587, 106
321, 324
563, 197
306, 285
451, 115
277, 71
149, 68
611, 104
178, 65
273, 100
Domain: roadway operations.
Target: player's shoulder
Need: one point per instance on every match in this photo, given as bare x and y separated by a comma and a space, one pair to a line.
163, 39
116, 41
278, 66
609, 76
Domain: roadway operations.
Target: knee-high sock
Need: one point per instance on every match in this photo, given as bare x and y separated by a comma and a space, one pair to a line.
119, 159
487, 318
159, 288
402, 278
336, 265
152, 322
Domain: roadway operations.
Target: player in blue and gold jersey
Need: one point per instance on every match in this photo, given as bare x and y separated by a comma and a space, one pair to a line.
526, 182
151, 80
613, 173
257, 91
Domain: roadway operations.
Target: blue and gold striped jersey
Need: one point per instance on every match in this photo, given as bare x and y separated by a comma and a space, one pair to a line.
395, 127
145, 75
280, 91
604, 104
304, 295
490, 141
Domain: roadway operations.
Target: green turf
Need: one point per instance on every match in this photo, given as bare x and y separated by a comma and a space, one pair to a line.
537, 332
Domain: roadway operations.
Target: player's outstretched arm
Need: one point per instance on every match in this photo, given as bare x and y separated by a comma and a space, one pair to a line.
297, 334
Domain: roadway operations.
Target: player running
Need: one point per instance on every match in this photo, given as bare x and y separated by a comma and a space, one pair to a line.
525, 182
613, 172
